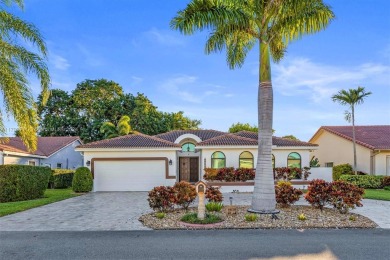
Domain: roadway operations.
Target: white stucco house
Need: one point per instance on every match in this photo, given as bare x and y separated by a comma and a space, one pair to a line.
139, 162
372, 147
57, 152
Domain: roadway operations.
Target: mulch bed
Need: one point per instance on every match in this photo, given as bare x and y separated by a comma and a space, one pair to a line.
288, 219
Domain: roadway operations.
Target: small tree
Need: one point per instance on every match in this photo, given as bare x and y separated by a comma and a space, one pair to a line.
82, 180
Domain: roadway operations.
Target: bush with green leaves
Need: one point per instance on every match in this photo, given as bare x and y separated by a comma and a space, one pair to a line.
162, 198
82, 180
185, 194
341, 169
251, 217
386, 188
61, 178
23, 182
386, 181
214, 206
160, 215
364, 181
192, 218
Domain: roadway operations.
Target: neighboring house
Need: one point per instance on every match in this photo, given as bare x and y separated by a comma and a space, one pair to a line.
140, 162
372, 147
54, 152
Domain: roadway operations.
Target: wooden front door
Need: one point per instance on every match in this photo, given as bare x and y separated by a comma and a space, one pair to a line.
189, 169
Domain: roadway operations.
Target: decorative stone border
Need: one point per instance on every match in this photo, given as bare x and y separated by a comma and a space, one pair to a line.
200, 225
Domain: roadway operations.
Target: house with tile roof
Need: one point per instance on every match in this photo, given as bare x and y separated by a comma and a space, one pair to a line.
372, 147
57, 152
139, 162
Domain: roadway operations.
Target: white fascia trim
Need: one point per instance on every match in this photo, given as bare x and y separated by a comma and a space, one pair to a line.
227, 147
296, 148
189, 136
125, 149
6, 153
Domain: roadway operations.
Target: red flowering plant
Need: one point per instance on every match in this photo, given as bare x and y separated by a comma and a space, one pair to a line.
244, 174
345, 196
162, 198
318, 193
286, 194
213, 194
185, 194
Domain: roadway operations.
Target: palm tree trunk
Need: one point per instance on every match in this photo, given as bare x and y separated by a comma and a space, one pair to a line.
263, 199
354, 141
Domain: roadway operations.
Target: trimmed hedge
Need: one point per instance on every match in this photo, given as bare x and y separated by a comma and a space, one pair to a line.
23, 182
364, 181
61, 178
341, 169
82, 180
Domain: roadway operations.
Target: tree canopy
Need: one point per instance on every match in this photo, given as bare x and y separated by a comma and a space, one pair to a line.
16, 63
94, 102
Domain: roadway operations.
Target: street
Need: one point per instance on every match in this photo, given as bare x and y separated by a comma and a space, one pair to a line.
206, 244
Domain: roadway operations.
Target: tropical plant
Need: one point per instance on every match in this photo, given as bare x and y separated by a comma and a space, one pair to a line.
351, 98
251, 217
162, 198
237, 25
122, 128
16, 62
213, 194
214, 206
185, 194
314, 162
286, 194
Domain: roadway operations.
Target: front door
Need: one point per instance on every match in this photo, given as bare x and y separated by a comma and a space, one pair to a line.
189, 169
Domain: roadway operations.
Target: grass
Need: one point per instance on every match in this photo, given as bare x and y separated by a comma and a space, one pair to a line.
193, 219
50, 196
377, 194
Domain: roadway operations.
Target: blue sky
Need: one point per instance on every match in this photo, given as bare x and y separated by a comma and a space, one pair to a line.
130, 42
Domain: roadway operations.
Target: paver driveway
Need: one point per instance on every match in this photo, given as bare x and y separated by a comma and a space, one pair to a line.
93, 211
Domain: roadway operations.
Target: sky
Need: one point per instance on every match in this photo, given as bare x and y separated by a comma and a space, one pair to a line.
131, 43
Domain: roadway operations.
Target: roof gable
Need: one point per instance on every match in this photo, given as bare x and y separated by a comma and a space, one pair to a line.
374, 137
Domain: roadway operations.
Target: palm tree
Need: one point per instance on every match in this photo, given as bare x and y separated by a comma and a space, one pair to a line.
15, 63
237, 26
122, 128
351, 98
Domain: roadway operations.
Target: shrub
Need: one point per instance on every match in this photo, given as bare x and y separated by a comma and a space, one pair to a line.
210, 174
318, 193
185, 194
244, 174
386, 188
160, 215
345, 196
286, 173
61, 179
226, 174
193, 219
302, 217
22, 182
286, 194
229, 174
214, 206
162, 198
213, 194
364, 181
82, 180
341, 169
386, 181
250, 217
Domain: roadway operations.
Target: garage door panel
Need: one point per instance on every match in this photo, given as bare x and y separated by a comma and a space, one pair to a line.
128, 175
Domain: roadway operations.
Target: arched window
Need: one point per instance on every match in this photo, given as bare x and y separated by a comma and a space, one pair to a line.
246, 160
188, 147
294, 160
218, 160
273, 161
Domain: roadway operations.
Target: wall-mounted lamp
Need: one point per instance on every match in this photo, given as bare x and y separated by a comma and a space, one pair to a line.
88, 163
170, 162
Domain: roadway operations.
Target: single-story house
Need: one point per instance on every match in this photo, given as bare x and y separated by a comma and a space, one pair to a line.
139, 162
55, 152
372, 147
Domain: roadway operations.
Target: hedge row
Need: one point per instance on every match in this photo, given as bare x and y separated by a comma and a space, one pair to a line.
23, 182
366, 181
61, 179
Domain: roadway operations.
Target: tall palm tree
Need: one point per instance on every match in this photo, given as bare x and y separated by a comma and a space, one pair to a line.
351, 98
16, 62
237, 26
122, 128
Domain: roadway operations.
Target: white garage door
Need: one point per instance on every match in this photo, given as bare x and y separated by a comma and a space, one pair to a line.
128, 175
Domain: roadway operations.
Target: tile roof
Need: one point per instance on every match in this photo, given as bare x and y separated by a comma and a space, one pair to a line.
278, 141
136, 140
202, 134
371, 136
228, 139
46, 145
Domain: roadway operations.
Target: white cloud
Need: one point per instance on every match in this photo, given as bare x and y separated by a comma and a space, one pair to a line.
136, 80
59, 62
164, 37
303, 77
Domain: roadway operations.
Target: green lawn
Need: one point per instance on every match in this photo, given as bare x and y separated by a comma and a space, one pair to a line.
377, 194
51, 195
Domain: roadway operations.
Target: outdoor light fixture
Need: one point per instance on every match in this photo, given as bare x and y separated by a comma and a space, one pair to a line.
231, 200
88, 163
170, 162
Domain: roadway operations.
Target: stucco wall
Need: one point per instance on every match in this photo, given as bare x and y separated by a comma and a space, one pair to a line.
338, 150
68, 157
11, 159
382, 163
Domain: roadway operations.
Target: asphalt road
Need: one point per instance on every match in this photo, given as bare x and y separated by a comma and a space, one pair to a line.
223, 244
